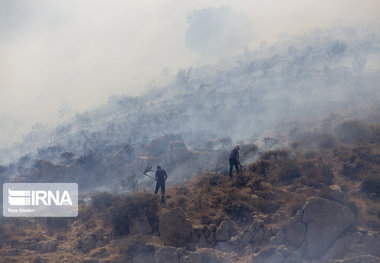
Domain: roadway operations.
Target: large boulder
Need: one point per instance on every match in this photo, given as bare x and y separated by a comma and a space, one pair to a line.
295, 232
225, 230
166, 255
174, 228
326, 220
208, 255
370, 244
359, 259
269, 255
343, 246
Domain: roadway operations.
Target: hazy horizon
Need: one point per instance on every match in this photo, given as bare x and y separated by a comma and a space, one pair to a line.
66, 57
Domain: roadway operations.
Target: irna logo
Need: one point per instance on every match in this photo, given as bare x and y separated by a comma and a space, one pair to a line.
40, 199
17, 197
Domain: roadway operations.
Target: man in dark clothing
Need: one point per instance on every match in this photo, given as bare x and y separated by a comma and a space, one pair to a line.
160, 178
234, 160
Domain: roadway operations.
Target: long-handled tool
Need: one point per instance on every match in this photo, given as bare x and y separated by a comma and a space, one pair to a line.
148, 169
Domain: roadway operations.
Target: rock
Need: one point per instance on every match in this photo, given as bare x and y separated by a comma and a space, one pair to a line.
295, 257
224, 231
335, 188
86, 242
224, 247
258, 236
208, 229
257, 231
39, 259
99, 253
277, 239
145, 257
257, 224
245, 238
204, 255
211, 238
326, 220
166, 255
284, 250
47, 246
342, 246
268, 255
295, 232
238, 242
195, 234
371, 243
359, 259
174, 228
202, 242
91, 260
334, 193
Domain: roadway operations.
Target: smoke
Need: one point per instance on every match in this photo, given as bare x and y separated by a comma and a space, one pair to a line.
213, 31
79, 53
298, 80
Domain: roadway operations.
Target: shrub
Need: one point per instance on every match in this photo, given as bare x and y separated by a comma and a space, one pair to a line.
125, 208
353, 132
286, 171
371, 185
120, 213
274, 155
266, 206
57, 223
316, 174
102, 200
236, 203
261, 167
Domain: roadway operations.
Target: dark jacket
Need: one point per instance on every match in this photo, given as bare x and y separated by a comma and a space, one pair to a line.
234, 154
161, 175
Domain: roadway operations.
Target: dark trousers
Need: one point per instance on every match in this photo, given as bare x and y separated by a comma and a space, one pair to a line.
234, 162
160, 184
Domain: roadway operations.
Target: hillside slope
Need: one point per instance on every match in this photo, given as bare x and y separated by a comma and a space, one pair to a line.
315, 201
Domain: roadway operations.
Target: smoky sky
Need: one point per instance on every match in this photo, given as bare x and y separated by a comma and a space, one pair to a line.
217, 30
59, 58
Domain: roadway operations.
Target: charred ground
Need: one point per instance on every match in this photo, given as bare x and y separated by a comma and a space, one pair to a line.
263, 210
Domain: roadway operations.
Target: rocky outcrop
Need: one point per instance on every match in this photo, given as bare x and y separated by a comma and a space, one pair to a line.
343, 246
207, 255
326, 220
174, 228
225, 230
359, 259
295, 230
166, 255
370, 244
269, 255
